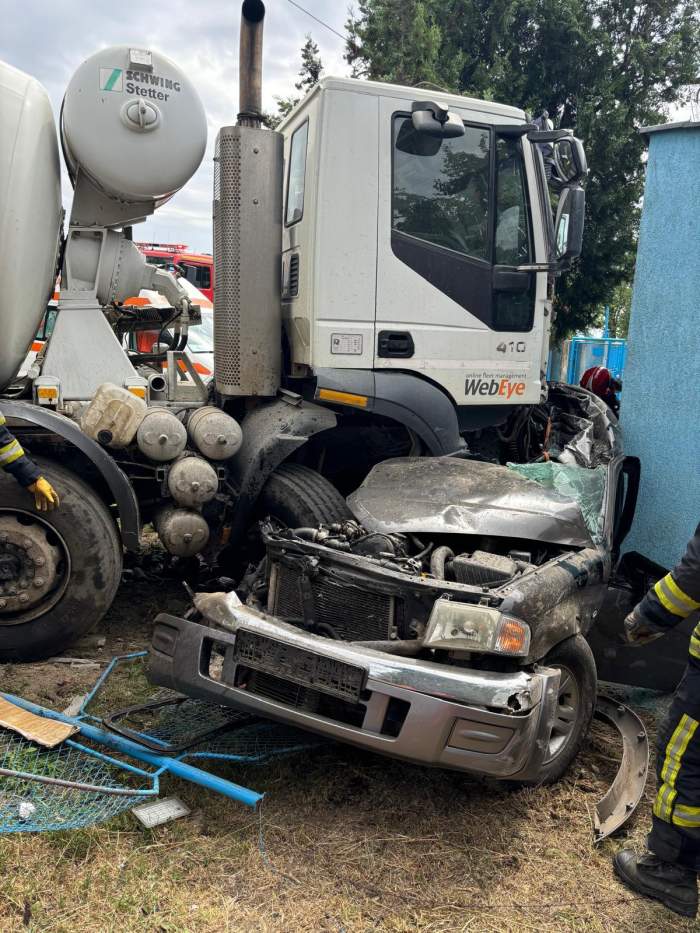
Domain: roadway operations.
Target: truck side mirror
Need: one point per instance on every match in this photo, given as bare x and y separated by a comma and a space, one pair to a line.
433, 120
570, 163
568, 226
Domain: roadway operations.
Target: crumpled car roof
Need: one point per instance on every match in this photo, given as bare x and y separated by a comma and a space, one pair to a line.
449, 495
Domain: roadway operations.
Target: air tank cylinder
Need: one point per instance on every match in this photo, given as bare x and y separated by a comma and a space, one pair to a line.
192, 482
214, 433
161, 435
183, 532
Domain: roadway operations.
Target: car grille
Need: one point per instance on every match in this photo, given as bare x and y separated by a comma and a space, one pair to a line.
295, 696
307, 668
353, 612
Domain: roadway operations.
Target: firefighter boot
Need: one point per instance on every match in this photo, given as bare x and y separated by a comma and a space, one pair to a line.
673, 885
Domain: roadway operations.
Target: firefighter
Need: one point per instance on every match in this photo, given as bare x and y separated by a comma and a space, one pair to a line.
668, 870
14, 460
601, 382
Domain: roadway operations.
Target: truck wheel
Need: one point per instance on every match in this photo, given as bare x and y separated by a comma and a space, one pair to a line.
301, 498
297, 496
59, 571
576, 702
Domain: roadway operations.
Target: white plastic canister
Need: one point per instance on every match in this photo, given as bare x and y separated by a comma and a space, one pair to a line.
113, 416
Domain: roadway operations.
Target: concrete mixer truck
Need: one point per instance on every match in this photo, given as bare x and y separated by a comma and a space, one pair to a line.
384, 274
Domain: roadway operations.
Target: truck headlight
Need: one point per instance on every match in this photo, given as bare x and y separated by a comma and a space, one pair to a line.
463, 627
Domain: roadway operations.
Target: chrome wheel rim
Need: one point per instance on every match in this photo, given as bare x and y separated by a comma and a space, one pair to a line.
565, 714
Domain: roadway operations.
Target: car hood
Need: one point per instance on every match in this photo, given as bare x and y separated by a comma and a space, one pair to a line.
448, 495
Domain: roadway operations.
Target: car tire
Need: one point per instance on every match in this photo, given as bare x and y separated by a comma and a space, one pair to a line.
301, 498
80, 558
575, 706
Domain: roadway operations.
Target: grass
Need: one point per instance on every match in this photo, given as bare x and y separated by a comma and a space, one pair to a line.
352, 842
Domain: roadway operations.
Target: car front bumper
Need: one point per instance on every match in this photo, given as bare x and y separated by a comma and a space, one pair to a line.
482, 722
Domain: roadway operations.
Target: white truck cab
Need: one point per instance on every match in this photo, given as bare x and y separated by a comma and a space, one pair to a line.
403, 251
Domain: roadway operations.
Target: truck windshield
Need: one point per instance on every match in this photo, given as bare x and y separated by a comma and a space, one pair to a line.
441, 188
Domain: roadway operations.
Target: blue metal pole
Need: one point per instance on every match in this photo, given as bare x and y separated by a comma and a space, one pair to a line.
606, 322
173, 766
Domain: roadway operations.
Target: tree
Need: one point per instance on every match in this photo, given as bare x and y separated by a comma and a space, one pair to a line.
394, 41
620, 307
309, 74
311, 65
600, 67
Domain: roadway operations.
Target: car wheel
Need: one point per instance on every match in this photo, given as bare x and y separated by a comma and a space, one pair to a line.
59, 571
575, 705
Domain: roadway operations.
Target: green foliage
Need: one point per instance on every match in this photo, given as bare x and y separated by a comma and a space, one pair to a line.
600, 67
309, 74
311, 66
395, 40
620, 307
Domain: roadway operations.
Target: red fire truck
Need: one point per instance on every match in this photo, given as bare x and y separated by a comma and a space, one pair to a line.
197, 268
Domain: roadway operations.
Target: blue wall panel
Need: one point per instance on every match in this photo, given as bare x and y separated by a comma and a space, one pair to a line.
660, 413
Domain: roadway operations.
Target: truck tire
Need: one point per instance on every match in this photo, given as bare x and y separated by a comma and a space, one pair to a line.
576, 703
59, 571
301, 497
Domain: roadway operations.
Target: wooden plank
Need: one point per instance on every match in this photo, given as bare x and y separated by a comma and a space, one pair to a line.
46, 732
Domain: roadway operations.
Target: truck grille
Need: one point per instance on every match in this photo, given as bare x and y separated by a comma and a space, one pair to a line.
353, 612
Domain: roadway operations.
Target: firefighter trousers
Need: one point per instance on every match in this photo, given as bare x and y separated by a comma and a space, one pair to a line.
675, 833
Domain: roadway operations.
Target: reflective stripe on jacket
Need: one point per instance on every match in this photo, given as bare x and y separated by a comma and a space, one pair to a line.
14, 460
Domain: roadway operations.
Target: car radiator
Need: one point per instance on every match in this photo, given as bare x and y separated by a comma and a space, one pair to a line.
353, 612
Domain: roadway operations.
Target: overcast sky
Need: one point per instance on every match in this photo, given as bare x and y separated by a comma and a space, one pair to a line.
50, 38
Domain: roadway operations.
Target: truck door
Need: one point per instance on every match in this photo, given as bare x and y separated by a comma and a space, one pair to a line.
454, 221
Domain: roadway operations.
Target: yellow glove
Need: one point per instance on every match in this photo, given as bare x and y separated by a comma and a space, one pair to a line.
45, 496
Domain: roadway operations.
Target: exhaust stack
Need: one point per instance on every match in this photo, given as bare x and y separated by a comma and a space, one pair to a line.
248, 234
250, 63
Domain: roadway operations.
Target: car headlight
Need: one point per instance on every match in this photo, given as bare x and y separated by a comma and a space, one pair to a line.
464, 627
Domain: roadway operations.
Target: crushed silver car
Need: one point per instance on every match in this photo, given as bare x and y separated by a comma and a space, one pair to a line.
446, 623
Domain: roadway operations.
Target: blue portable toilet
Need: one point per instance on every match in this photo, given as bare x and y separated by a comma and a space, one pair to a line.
660, 411
585, 352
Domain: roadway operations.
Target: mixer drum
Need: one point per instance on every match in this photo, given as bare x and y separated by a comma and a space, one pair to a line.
30, 214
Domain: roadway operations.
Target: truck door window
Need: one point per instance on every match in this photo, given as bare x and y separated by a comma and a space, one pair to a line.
203, 277
198, 275
512, 311
294, 210
441, 188
513, 240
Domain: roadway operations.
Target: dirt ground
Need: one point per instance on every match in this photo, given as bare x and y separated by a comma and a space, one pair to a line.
344, 841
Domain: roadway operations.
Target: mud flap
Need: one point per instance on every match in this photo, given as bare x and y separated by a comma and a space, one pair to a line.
625, 792
657, 666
